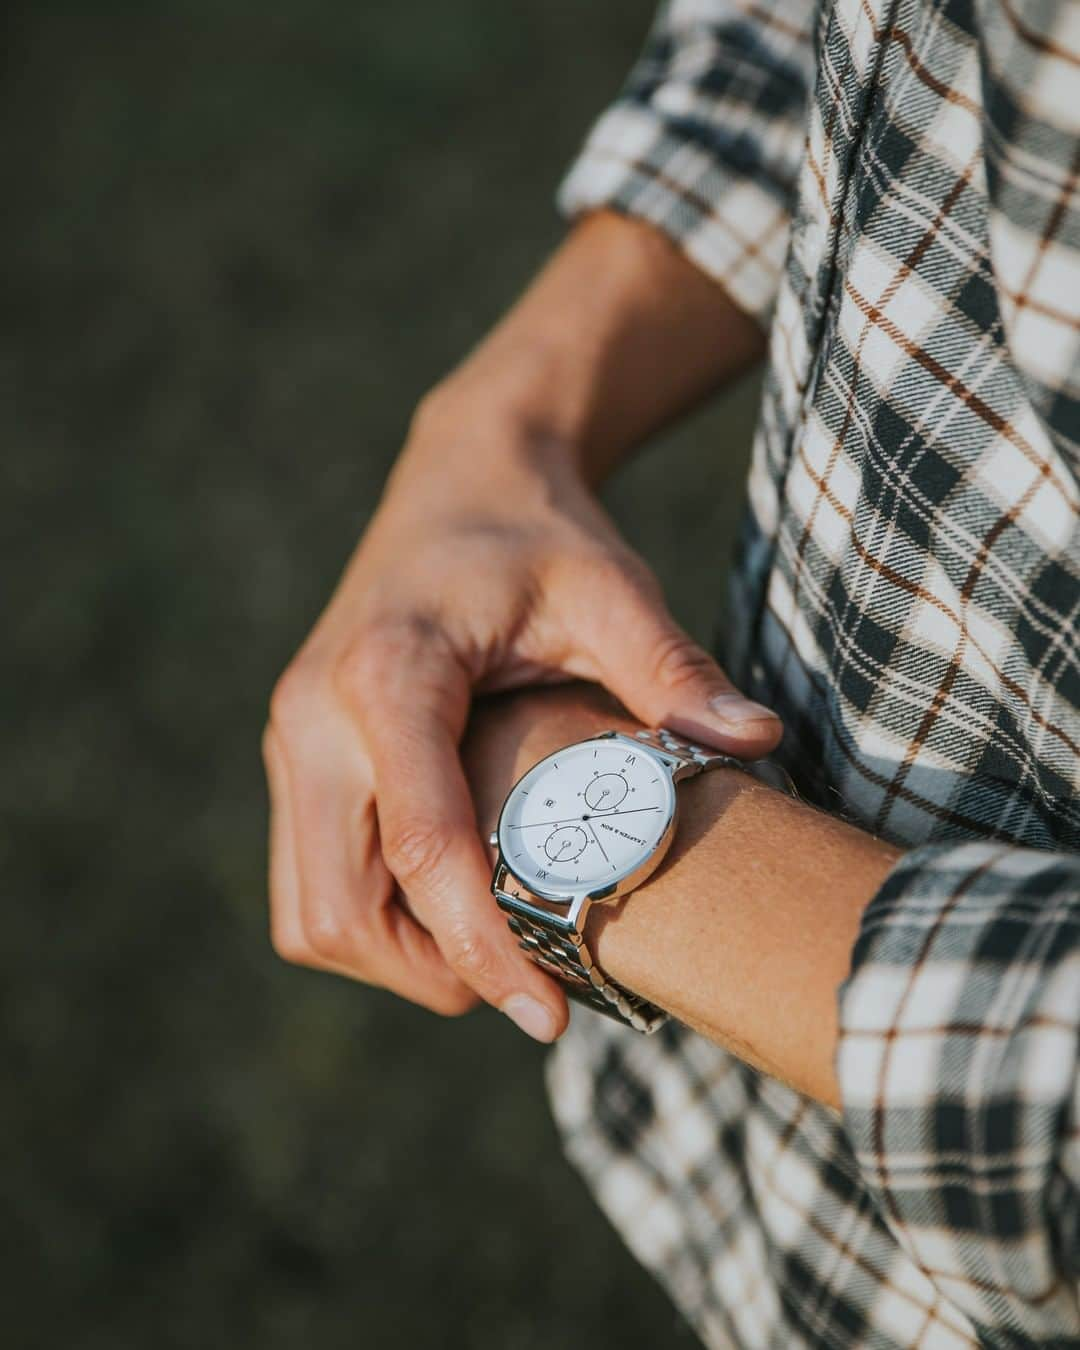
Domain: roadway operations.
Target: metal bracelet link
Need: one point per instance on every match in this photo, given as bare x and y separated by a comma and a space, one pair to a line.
695, 758
566, 956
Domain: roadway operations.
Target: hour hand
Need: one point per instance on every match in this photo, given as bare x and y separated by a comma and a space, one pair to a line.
599, 845
535, 824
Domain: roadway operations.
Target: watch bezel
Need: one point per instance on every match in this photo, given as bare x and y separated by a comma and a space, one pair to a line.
589, 892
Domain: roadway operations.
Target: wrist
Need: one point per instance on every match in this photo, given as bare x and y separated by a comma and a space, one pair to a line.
624, 932
745, 933
618, 334
509, 413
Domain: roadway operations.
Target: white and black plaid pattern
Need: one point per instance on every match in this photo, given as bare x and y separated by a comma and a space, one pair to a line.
893, 185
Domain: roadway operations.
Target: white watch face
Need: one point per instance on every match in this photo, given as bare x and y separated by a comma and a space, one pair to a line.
586, 817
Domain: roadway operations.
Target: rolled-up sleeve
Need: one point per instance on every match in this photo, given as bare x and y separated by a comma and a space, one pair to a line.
958, 1071
706, 138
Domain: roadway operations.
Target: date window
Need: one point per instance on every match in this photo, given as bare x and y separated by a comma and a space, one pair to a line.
549, 801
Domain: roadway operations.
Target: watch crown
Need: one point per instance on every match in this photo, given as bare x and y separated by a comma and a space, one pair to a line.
493, 839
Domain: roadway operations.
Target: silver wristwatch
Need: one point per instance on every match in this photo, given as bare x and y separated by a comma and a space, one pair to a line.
586, 825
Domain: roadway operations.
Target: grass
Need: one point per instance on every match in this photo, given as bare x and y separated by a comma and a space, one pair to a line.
239, 241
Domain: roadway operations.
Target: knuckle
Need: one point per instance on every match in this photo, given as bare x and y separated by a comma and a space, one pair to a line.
469, 955
326, 936
379, 651
642, 581
415, 847
678, 661
457, 1004
291, 697
600, 571
288, 946
627, 574
361, 662
619, 585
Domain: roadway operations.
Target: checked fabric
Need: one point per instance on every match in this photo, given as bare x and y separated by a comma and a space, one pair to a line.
890, 186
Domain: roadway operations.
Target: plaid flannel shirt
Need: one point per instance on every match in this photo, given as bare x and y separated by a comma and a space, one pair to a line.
891, 186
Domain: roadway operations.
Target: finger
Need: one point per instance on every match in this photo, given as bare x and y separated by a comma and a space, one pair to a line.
286, 927
331, 896
396, 950
664, 677
411, 698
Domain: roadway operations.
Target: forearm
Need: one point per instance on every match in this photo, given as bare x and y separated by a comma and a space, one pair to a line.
746, 930
617, 336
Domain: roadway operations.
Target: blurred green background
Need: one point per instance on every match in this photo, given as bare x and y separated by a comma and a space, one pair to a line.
238, 242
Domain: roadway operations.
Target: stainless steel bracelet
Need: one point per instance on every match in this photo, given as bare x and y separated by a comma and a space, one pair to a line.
557, 945
560, 949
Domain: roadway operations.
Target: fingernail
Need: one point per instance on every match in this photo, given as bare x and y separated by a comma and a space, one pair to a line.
532, 1017
736, 711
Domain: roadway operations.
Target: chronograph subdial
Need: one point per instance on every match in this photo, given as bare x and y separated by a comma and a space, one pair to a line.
606, 791
566, 843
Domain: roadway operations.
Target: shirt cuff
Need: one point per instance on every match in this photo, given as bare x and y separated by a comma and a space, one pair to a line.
958, 1073
731, 227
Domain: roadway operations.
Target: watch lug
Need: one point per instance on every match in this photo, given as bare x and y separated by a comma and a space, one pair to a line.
579, 912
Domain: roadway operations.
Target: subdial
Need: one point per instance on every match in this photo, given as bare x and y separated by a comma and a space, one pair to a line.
566, 843
606, 791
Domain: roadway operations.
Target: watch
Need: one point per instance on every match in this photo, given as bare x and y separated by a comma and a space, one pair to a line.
584, 826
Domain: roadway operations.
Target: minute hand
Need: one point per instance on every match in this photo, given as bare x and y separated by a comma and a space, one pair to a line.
593, 815
630, 811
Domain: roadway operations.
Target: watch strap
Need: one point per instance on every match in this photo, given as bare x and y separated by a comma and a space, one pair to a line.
557, 947
688, 759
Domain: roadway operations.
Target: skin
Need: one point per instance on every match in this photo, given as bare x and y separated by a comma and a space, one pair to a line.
745, 930
490, 565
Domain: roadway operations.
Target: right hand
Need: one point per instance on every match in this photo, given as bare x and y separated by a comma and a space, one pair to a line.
489, 565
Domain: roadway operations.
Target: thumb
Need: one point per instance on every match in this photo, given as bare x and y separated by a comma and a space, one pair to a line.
662, 676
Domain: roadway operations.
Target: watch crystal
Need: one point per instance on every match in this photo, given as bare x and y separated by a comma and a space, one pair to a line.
588, 815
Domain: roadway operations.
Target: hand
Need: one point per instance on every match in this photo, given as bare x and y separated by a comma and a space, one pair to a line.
481, 571
491, 565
